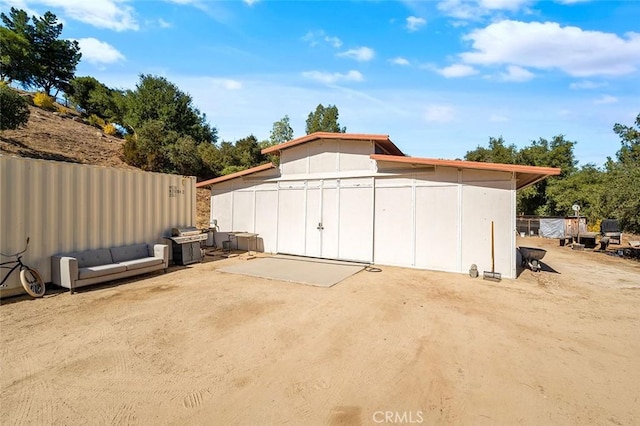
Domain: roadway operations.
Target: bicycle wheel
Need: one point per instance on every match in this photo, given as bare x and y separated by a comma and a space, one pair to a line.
32, 282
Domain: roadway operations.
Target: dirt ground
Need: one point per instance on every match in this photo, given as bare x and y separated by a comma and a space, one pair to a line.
197, 346
56, 136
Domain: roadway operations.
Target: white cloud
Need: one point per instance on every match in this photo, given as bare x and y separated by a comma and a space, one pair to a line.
476, 9
399, 61
517, 74
606, 99
333, 41
414, 23
457, 70
314, 38
99, 52
361, 54
497, 118
586, 85
332, 78
250, 2
164, 24
110, 14
439, 114
549, 46
458, 9
229, 84
512, 5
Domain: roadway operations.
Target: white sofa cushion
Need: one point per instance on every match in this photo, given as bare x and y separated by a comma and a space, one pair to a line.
100, 270
135, 251
141, 263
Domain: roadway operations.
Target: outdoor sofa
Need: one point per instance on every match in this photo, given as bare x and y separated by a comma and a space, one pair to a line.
78, 269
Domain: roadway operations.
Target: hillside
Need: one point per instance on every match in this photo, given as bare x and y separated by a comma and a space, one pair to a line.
64, 137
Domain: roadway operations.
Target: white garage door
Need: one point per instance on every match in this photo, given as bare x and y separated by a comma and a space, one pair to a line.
356, 220
327, 218
291, 218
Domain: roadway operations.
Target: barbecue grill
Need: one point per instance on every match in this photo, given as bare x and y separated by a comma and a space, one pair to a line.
185, 245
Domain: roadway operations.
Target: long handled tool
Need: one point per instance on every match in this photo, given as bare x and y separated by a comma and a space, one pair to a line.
493, 275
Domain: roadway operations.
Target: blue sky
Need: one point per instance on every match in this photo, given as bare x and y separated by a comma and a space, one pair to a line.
439, 77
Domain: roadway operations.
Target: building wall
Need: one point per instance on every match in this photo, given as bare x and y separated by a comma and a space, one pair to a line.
240, 205
441, 220
438, 219
66, 207
326, 156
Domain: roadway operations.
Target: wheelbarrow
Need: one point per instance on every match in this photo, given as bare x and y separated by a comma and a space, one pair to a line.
531, 257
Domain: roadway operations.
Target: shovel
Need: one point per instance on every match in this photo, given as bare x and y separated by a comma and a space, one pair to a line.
493, 275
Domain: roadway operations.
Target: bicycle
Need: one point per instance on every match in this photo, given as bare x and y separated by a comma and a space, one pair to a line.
29, 277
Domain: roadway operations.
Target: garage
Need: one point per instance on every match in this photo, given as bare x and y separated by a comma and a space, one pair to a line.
357, 197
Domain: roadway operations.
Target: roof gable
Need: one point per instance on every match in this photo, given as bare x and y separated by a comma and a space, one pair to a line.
382, 141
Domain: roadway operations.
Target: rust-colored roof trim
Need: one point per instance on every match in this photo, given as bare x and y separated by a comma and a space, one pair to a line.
383, 140
241, 173
461, 164
527, 175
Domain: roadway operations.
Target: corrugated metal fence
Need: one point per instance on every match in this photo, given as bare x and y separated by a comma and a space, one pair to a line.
67, 207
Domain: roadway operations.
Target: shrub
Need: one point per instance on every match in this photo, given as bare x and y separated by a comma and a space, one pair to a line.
14, 111
110, 129
595, 226
63, 110
43, 101
96, 121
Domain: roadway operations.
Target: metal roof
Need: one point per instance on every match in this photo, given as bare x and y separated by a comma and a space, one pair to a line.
525, 175
241, 173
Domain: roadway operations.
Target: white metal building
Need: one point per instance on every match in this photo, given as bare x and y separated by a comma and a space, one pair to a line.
358, 197
65, 207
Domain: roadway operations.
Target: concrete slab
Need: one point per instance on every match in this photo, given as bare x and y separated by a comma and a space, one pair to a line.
304, 270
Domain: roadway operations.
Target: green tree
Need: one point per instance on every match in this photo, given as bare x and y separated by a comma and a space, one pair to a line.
555, 153
230, 157
620, 197
281, 131
247, 152
167, 130
96, 98
15, 59
55, 59
184, 156
629, 152
51, 61
18, 22
583, 187
155, 98
211, 159
14, 112
497, 152
15, 47
148, 147
324, 120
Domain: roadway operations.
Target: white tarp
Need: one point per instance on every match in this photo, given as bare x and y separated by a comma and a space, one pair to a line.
552, 227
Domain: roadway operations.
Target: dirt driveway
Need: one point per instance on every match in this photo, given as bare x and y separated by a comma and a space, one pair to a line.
197, 346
